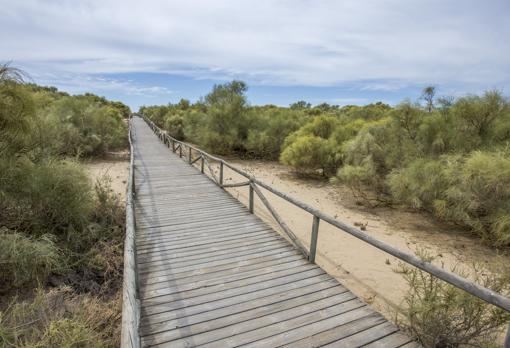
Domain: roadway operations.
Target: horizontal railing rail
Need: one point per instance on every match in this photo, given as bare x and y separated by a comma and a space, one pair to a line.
470, 287
130, 297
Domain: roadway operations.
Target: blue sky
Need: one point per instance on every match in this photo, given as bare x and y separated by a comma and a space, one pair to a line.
340, 52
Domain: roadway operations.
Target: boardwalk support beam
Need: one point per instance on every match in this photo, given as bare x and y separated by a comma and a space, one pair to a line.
250, 205
313, 242
221, 174
279, 220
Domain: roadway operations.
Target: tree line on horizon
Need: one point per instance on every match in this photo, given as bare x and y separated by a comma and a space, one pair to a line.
448, 156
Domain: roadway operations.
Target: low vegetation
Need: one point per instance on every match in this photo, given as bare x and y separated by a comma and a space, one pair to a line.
60, 234
441, 315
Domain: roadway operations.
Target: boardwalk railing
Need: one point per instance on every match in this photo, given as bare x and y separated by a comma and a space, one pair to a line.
186, 150
130, 298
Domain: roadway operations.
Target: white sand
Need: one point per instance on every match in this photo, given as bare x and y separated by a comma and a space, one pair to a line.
117, 170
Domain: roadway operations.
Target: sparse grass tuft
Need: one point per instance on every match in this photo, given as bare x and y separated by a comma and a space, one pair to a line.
26, 260
60, 318
441, 315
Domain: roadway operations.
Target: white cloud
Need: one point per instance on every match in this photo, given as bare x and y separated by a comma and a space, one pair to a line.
81, 83
303, 42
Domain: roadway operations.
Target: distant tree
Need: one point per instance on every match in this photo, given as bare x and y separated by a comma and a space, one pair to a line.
479, 113
428, 95
226, 93
445, 103
227, 126
325, 107
300, 105
183, 104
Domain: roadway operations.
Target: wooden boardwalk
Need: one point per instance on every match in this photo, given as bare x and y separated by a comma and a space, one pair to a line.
212, 274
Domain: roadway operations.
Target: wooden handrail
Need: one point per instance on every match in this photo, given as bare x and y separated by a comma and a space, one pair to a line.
470, 287
130, 337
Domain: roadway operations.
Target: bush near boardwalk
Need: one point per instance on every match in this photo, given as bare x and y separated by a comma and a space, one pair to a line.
60, 234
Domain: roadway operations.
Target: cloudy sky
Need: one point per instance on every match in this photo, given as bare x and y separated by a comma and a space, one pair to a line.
341, 52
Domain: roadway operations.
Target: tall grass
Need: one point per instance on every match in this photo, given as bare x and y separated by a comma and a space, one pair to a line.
60, 318
26, 260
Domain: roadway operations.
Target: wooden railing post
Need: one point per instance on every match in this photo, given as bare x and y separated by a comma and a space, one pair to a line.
221, 173
189, 155
180, 150
173, 146
250, 204
202, 163
506, 344
315, 235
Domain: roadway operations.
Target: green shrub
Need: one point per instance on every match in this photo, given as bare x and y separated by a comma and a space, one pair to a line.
307, 154
174, 124
55, 196
269, 129
88, 128
419, 184
363, 181
441, 315
194, 126
26, 260
480, 197
60, 318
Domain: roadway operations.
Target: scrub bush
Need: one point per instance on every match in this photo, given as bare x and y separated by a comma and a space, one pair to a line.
26, 260
51, 197
441, 315
308, 154
60, 318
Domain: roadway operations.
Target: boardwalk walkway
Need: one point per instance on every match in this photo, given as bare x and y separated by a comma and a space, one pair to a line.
212, 274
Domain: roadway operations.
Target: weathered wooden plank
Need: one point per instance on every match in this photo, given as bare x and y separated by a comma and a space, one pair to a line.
394, 340
209, 281
216, 309
366, 336
191, 252
156, 273
235, 295
222, 249
187, 239
249, 262
236, 287
192, 243
238, 281
219, 220
231, 322
255, 329
162, 232
188, 235
266, 244
163, 264
326, 331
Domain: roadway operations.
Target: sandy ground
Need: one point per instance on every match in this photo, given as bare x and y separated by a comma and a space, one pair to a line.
117, 169
364, 269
